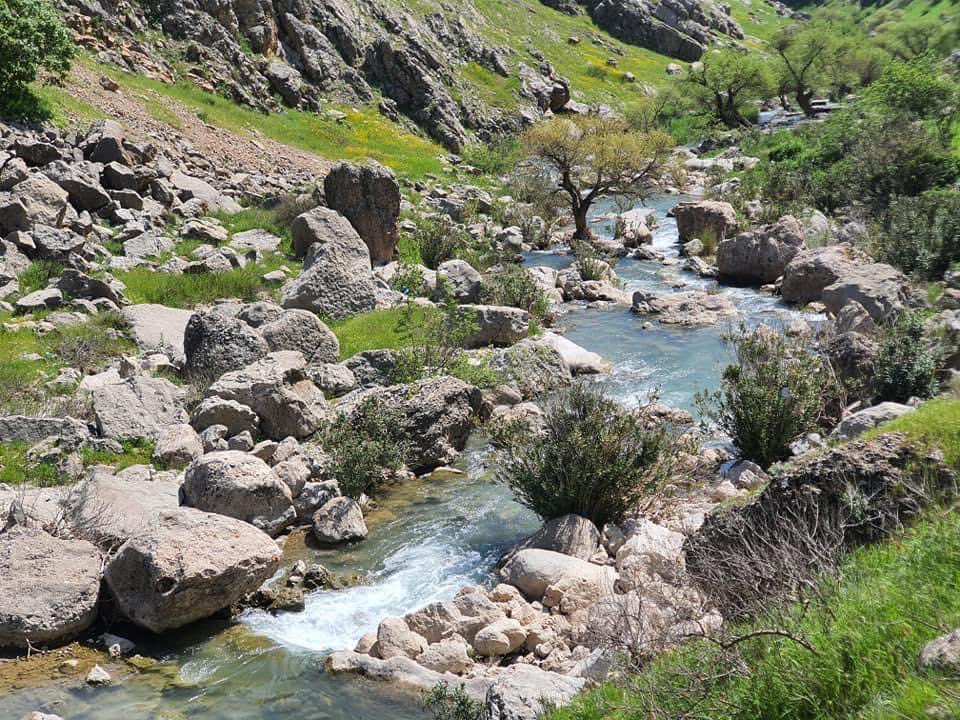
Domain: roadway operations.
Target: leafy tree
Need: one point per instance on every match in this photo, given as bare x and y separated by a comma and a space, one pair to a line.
805, 53
592, 156
913, 39
918, 88
725, 80
776, 391
32, 37
594, 458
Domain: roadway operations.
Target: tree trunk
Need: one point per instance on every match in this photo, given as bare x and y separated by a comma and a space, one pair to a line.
580, 218
803, 100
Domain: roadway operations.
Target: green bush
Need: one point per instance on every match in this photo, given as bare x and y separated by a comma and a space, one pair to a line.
907, 366
32, 37
439, 240
595, 458
776, 391
410, 281
922, 234
515, 287
366, 447
445, 704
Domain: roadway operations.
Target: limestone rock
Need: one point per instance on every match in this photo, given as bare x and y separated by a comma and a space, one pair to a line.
855, 425
139, 407
302, 331
339, 520
496, 325
187, 566
524, 692
215, 343
178, 446
703, 218
369, 197
395, 639
760, 256
570, 535
532, 571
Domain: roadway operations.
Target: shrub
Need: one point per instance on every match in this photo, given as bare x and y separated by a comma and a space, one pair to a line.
516, 288
439, 240
922, 234
288, 207
409, 280
591, 262
906, 366
445, 704
32, 37
494, 158
775, 392
595, 458
366, 447
432, 341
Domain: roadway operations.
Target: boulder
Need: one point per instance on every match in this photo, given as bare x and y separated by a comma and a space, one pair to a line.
235, 417
215, 343
43, 202
657, 548
496, 325
631, 228
337, 280
532, 571
339, 520
693, 307
463, 282
313, 496
369, 197
46, 299
302, 331
580, 360
257, 241
533, 366
500, 638
882, 290
571, 535
810, 271
50, 588
395, 639
436, 621
859, 422
112, 507
854, 318
446, 656
138, 407
278, 389
190, 188
705, 218
240, 486
188, 565
759, 257
525, 692
437, 412
69, 432
177, 446
157, 328
942, 654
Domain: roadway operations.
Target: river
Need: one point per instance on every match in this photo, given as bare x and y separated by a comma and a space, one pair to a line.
427, 539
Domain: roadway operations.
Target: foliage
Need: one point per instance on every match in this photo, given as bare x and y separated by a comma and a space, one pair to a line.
776, 391
906, 366
725, 80
594, 458
440, 239
32, 38
494, 158
922, 234
515, 287
865, 636
917, 88
593, 155
409, 280
591, 263
805, 53
445, 704
366, 446
135, 452
377, 330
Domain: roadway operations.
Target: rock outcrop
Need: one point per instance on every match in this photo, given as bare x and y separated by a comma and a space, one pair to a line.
760, 256
369, 197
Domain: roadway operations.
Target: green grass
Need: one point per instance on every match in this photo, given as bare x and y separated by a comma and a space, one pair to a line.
492, 88
364, 133
935, 424
145, 285
891, 600
38, 274
257, 218
135, 452
16, 470
378, 330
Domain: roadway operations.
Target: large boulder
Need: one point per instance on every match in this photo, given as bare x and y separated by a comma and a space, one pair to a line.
140, 407
337, 280
570, 534
302, 331
580, 360
882, 290
461, 280
369, 197
705, 218
188, 565
525, 692
157, 328
534, 366
50, 588
859, 422
810, 271
240, 486
112, 507
533, 571
496, 325
437, 412
278, 389
395, 639
692, 307
35, 201
339, 520
215, 342
177, 446
69, 432
760, 256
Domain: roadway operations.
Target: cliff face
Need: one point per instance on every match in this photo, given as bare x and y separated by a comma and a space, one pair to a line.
297, 53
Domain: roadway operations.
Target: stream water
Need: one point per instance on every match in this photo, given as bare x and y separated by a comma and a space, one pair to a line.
427, 539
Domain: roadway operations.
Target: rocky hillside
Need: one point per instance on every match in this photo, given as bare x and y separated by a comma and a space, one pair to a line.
484, 67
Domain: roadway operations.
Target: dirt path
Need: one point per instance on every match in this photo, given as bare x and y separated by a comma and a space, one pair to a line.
223, 148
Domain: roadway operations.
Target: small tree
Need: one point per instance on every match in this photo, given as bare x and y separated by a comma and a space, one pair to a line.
32, 37
725, 80
775, 392
592, 156
594, 458
805, 53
